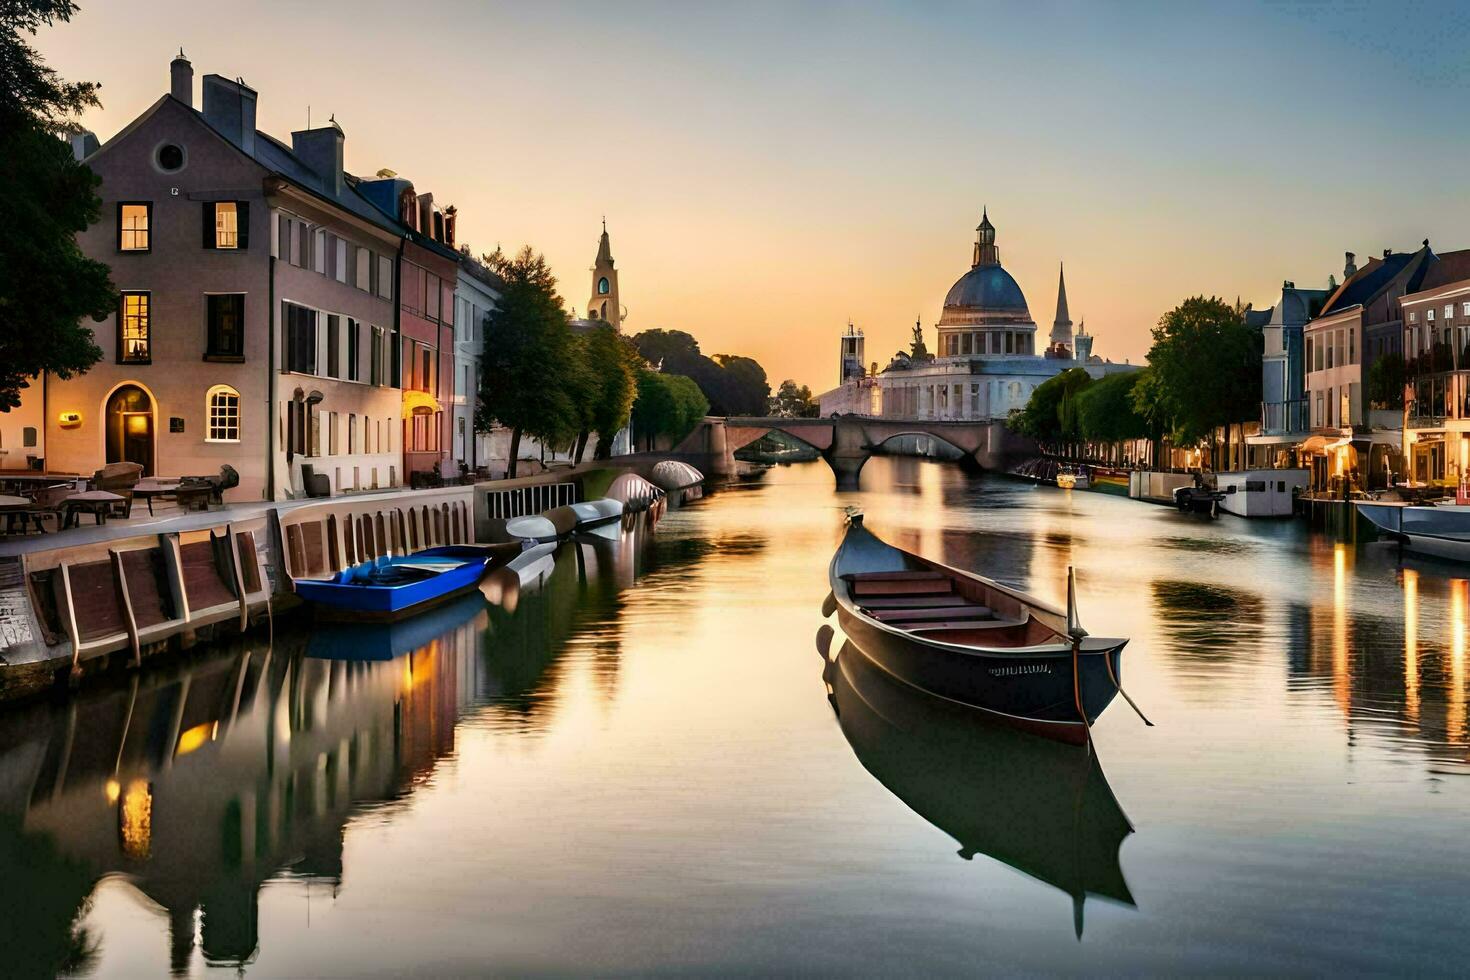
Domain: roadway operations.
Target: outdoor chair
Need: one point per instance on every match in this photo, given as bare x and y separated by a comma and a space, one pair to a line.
118, 478
315, 484
209, 489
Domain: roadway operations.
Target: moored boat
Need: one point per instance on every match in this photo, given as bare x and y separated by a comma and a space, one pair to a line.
394, 586
1442, 531
1074, 478
969, 639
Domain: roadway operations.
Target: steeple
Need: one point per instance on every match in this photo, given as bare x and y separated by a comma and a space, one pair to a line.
604, 304
1061, 328
985, 251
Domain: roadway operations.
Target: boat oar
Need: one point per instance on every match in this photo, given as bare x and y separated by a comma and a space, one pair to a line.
1107, 661
1074, 628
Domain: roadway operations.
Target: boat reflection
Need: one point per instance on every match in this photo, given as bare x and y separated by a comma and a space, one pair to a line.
1041, 807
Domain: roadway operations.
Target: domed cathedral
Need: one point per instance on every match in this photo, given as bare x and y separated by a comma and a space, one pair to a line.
985, 312
604, 304
987, 363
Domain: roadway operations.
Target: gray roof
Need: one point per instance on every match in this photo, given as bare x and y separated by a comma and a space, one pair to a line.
987, 287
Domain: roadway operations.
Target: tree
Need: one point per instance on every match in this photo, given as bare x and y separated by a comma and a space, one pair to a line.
734, 385
1205, 367
1386, 382
1106, 412
527, 376
607, 369
794, 402
1050, 414
46, 284
746, 387
691, 404
668, 405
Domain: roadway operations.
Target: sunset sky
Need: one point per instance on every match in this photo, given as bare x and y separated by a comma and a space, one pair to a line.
770, 171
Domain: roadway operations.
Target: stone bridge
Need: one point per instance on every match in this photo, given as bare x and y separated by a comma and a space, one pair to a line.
848, 441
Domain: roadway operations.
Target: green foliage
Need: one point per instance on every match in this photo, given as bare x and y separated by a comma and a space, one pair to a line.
610, 364
1106, 413
1386, 382
792, 401
734, 385
1204, 371
668, 405
529, 381
1051, 413
46, 284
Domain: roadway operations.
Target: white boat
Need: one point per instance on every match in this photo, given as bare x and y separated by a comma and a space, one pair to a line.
1074, 478
672, 475
532, 527
1261, 493
1442, 531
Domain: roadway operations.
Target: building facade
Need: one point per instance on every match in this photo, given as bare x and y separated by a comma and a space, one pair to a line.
1436, 348
987, 363
1285, 421
254, 282
476, 293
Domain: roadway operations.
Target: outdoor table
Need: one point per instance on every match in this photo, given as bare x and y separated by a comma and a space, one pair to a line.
149, 490
13, 508
94, 502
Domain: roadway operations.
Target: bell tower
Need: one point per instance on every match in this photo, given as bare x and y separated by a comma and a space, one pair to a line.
604, 304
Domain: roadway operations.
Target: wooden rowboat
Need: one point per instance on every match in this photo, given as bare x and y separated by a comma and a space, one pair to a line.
393, 587
966, 638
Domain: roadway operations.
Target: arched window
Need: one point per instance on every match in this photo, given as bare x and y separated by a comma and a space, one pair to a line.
222, 408
602, 286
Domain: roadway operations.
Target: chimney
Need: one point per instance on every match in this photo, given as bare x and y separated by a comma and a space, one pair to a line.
83, 144
181, 79
1387, 252
1350, 268
321, 150
451, 214
229, 106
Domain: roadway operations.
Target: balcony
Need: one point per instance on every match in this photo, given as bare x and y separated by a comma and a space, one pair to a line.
1438, 396
1281, 417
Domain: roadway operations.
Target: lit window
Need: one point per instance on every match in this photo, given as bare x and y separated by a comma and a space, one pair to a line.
1413, 316
226, 224
132, 329
132, 227
1449, 311
224, 414
1465, 309
1429, 314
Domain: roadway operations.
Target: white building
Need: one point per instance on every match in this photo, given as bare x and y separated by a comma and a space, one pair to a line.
475, 295
986, 365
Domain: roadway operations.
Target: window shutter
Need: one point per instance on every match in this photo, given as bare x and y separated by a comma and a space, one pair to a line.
208, 212
242, 219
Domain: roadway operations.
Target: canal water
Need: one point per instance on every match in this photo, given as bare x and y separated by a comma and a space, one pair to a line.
648, 768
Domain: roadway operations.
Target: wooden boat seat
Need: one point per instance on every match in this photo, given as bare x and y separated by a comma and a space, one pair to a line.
895, 587
969, 624
913, 601
912, 575
896, 616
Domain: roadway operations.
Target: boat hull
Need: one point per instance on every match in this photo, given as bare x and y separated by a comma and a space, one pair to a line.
1443, 531
378, 603
1029, 689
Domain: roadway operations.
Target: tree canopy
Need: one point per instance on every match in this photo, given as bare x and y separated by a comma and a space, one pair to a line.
610, 363
734, 385
1051, 413
46, 284
1386, 381
668, 405
793, 401
1204, 371
529, 381
1106, 411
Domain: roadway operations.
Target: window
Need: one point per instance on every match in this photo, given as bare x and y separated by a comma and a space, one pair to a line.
1429, 315
431, 296
132, 329
1352, 338
319, 251
28, 437
225, 323
340, 266
1449, 311
332, 433
364, 270
375, 373
133, 222
353, 330
426, 373
223, 410
1465, 309
1413, 316
226, 225
169, 157
351, 434
385, 277
300, 338
334, 345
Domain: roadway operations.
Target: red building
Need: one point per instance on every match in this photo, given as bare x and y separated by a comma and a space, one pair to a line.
428, 267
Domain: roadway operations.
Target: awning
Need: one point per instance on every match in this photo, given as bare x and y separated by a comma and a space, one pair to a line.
419, 403
1285, 439
1321, 445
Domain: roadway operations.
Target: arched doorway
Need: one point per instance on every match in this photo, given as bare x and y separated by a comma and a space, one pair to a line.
130, 427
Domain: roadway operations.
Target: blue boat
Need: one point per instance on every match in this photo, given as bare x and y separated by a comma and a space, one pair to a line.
392, 587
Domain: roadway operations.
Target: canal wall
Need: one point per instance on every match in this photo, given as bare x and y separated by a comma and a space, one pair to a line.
97, 598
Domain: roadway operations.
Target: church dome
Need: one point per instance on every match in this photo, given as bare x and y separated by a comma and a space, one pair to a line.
987, 289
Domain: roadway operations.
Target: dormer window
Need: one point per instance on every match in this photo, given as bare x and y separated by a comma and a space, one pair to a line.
134, 220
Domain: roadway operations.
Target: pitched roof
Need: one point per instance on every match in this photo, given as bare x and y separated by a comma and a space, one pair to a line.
1367, 282
1451, 267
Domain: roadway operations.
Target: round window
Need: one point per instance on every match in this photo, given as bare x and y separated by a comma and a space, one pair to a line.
170, 157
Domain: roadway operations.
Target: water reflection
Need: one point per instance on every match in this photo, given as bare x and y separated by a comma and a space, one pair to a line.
199, 784
1039, 806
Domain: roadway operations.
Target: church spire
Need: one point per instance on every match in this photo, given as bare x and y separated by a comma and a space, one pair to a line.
604, 304
1061, 328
